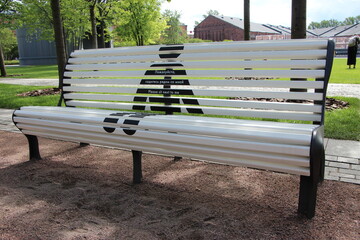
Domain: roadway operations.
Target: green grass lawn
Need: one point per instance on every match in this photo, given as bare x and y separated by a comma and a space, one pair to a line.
345, 123
340, 72
42, 71
8, 98
339, 124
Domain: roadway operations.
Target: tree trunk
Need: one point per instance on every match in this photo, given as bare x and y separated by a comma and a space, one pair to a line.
298, 29
102, 34
94, 42
246, 20
59, 40
298, 19
2, 63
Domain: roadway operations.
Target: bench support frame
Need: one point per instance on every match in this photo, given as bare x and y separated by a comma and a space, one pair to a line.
34, 153
309, 184
137, 169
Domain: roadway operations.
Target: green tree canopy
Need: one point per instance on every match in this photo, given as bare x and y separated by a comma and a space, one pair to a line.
7, 14
36, 16
174, 33
140, 21
8, 42
334, 23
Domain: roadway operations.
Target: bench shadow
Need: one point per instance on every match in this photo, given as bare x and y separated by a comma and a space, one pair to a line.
88, 192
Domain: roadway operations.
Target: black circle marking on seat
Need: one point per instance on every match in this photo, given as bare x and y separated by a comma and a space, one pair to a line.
110, 120
126, 130
130, 122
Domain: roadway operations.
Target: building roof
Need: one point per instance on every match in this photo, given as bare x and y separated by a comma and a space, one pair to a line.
254, 27
334, 31
350, 30
339, 31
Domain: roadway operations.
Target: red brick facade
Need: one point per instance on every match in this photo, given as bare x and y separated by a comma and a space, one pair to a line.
215, 29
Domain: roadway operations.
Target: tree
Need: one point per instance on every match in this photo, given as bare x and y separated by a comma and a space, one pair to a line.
334, 22
298, 19
246, 19
59, 40
75, 20
298, 29
140, 21
173, 34
7, 12
92, 7
8, 42
351, 20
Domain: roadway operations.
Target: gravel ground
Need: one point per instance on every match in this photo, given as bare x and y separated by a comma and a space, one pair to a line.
87, 193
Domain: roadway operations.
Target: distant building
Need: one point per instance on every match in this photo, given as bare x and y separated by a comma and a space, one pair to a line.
33, 51
220, 28
339, 34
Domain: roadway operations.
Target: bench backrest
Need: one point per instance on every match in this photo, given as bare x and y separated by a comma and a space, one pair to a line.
247, 79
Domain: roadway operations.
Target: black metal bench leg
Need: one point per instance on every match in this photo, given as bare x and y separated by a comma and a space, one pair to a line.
33, 148
137, 172
307, 196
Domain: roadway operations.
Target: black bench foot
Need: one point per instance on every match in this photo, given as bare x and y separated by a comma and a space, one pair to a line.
34, 153
307, 196
177, 159
137, 172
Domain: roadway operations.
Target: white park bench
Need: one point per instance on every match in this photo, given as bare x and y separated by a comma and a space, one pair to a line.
200, 101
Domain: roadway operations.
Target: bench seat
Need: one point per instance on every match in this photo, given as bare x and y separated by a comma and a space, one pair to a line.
277, 146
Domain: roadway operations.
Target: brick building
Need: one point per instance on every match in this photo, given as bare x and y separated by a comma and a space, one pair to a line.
220, 28
339, 34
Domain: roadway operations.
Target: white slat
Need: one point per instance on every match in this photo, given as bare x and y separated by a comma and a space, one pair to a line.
216, 129
261, 147
111, 142
313, 54
93, 115
204, 110
252, 46
200, 82
190, 146
201, 101
203, 64
204, 73
199, 92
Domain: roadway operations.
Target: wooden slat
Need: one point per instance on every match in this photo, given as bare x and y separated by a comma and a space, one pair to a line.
199, 92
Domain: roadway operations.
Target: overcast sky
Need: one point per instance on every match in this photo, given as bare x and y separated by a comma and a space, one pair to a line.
276, 12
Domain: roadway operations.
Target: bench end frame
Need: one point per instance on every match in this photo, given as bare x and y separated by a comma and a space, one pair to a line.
309, 184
